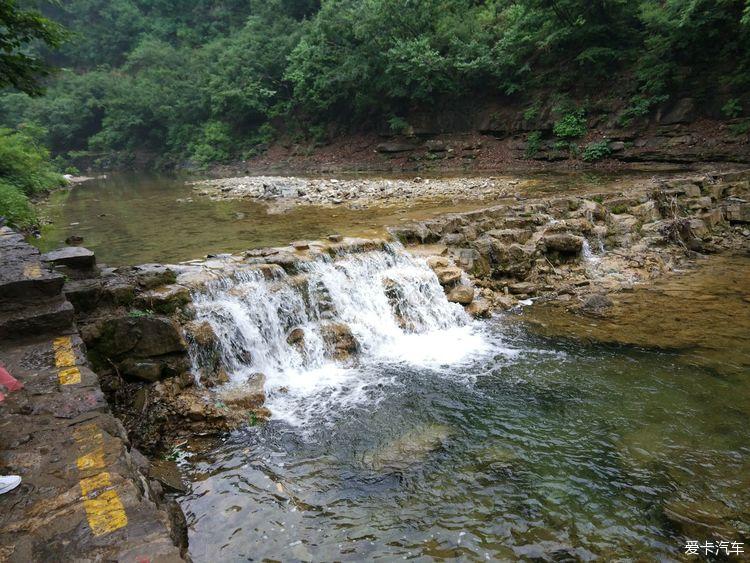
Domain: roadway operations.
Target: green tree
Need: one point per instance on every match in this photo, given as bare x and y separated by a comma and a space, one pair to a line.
19, 66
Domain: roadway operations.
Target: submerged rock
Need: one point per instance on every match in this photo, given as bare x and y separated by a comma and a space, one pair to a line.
249, 395
409, 449
339, 339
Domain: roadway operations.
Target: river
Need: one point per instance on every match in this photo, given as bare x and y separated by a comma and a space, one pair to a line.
457, 438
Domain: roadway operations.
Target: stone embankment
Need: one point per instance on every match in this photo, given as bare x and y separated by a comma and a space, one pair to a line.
579, 248
86, 494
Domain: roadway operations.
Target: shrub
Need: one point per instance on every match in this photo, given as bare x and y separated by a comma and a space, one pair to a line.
639, 106
740, 129
532, 112
398, 125
24, 161
533, 143
571, 125
15, 206
732, 108
214, 144
596, 151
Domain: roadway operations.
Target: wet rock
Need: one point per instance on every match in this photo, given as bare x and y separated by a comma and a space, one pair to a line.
166, 299
75, 257
479, 308
154, 369
118, 291
249, 395
335, 238
462, 294
83, 294
300, 245
202, 333
522, 288
449, 276
509, 236
296, 337
339, 339
596, 305
136, 336
74, 240
436, 262
150, 276
622, 223
411, 234
564, 243
409, 449
168, 474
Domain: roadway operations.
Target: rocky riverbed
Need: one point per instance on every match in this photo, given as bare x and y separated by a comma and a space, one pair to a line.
358, 192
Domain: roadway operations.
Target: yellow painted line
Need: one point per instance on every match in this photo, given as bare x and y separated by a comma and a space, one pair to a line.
104, 509
69, 376
32, 271
65, 360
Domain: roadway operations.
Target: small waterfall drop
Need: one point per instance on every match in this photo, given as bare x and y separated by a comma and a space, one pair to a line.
286, 326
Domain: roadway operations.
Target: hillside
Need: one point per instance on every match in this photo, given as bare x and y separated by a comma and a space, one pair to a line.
151, 83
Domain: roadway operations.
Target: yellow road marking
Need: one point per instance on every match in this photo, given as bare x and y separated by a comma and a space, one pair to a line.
32, 271
65, 360
104, 509
69, 376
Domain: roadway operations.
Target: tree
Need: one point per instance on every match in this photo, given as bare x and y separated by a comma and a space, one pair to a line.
19, 30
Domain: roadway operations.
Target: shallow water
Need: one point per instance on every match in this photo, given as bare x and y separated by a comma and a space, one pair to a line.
536, 447
139, 218
487, 441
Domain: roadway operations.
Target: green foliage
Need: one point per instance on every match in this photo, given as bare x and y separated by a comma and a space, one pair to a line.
214, 143
15, 206
20, 29
398, 125
733, 108
200, 80
533, 143
740, 129
596, 151
24, 161
639, 106
571, 125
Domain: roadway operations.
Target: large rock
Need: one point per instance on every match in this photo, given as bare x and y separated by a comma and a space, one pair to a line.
449, 276
479, 308
564, 243
395, 147
512, 260
683, 111
339, 339
165, 299
737, 212
462, 294
150, 276
75, 257
139, 336
249, 395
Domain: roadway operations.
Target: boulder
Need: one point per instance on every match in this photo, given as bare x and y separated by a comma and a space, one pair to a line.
83, 294
296, 337
136, 336
202, 333
75, 257
165, 299
150, 276
339, 339
683, 111
155, 369
564, 243
390, 147
622, 223
435, 145
449, 276
249, 395
737, 212
522, 288
462, 294
479, 308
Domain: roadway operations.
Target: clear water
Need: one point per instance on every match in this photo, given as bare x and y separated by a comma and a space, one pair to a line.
473, 440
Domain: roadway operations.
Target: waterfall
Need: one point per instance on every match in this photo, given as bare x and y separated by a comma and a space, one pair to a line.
289, 327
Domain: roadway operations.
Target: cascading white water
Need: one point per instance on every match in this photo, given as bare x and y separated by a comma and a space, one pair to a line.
391, 302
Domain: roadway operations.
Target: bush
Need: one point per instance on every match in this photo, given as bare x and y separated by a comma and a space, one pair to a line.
533, 143
732, 108
24, 161
571, 125
15, 206
596, 151
398, 125
214, 145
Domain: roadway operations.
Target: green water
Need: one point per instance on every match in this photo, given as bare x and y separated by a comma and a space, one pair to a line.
550, 449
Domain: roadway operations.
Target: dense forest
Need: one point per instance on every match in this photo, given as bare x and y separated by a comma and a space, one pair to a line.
199, 81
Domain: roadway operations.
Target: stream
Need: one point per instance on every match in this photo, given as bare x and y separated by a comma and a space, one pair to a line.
446, 437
